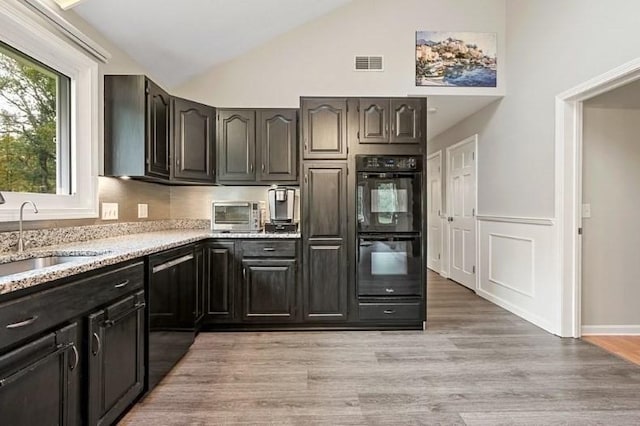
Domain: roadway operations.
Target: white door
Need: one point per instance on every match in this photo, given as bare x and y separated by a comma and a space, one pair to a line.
461, 196
434, 211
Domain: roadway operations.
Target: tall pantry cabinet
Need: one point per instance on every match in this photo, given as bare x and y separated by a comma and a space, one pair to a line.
324, 209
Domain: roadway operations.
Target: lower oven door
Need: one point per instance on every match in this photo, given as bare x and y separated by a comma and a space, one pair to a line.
389, 265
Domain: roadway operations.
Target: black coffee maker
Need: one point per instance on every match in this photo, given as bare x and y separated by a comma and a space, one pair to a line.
281, 209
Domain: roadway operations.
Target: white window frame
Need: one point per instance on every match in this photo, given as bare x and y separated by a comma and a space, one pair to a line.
25, 31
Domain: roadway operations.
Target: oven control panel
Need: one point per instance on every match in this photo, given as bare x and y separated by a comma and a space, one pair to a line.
377, 163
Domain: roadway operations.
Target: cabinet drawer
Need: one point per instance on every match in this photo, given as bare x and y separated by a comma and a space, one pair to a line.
391, 311
400, 288
29, 315
270, 248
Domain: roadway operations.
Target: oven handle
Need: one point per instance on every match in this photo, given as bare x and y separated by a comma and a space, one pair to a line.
362, 239
388, 175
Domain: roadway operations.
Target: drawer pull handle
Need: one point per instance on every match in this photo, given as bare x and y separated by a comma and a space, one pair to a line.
389, 311
269, 249
24, 323
97, 339
389, 290
76, 358
122, 284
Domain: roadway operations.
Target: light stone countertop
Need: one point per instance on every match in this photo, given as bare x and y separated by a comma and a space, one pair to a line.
109, 251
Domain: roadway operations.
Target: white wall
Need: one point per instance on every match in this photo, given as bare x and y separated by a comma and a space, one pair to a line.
317, 58
551, 47
611, 237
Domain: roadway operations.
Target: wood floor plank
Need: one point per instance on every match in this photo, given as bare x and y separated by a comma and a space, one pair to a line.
475, 364
627, 347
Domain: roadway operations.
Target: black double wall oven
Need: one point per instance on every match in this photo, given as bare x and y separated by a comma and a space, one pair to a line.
389, 224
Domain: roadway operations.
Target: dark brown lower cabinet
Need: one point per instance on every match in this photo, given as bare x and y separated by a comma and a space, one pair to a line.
325, 281
219, 281
269, 290
116, 358
40, 381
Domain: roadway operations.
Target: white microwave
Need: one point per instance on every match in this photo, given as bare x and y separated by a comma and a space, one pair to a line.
237, 216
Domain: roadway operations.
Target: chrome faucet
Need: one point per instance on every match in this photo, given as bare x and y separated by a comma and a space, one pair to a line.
20, 239
1, 198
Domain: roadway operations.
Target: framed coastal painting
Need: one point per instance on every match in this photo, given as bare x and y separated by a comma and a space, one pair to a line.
458, 59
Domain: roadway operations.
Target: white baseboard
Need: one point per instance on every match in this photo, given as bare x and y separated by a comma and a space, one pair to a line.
610, 330
532, 318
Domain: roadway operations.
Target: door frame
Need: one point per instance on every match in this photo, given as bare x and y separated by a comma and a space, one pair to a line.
568, 183
443, 255
474, 139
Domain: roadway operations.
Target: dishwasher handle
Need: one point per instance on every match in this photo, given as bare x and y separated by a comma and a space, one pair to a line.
171, 263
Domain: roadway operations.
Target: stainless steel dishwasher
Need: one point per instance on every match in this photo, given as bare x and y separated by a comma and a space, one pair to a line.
171, 299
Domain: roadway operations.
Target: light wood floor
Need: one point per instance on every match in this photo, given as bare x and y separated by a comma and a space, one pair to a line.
475, 364
627, 347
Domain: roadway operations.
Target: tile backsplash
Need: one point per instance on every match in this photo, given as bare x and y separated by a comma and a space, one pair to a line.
127, 193
188, 202
164, 202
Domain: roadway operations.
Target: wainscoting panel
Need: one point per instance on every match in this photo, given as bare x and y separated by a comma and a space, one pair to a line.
517, 270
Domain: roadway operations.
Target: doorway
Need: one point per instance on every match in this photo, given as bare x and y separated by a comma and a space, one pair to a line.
569, 196
461, 205
434, 212
610, 201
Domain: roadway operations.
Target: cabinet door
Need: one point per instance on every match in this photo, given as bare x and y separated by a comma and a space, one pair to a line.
374, 120
269, 290
116, 358
278, 145
236, 145
158, 131
324, 198
406, 120
324, 128
40, 381
193, 141
220, 281
325, 281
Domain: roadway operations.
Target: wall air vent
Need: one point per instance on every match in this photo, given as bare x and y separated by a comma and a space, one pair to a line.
369, 63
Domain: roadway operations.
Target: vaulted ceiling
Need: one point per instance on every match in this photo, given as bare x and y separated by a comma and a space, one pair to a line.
183, 38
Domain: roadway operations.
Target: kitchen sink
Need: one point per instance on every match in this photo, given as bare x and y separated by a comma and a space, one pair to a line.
24, 265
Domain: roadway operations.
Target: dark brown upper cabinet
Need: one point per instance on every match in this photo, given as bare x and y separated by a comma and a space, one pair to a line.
257, 146
193, 141
137, 128
158, 131
236, 145
324, 127
150, 135
396, 120
277, 145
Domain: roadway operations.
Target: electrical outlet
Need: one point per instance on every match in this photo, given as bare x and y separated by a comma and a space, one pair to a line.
586, 210
143, 211
109, 211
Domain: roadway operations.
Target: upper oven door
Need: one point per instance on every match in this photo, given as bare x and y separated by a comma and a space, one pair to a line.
389, 202
231, 215
389, 265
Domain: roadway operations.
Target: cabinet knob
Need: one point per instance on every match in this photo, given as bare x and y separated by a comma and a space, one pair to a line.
263, 167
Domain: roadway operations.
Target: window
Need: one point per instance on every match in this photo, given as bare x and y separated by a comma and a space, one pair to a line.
34, 125
50, 106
